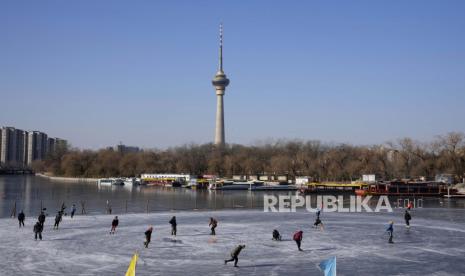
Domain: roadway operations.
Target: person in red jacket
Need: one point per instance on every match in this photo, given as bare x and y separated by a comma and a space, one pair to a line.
298, 239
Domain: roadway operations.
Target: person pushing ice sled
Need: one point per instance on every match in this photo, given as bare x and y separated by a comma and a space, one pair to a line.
318, 223
276, 235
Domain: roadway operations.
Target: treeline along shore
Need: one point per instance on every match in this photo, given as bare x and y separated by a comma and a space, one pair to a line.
404, 158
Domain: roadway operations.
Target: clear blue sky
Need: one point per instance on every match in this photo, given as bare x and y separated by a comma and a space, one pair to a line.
362, 72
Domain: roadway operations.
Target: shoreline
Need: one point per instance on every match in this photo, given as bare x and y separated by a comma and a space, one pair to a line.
69, 179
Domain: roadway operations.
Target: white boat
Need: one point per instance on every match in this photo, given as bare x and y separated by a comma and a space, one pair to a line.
192, 184
274, 188
235, 186
105, 182
129, 181
110, 181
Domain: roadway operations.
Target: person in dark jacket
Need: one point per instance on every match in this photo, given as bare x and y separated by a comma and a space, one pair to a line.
318, 223
114, 224
276, 235
58, 219
173, 225
213, 224
38, 228
148, 236
298, 238
41, 218
63, 208
235, 254
390, 230
407, 218
73, 210
21, 218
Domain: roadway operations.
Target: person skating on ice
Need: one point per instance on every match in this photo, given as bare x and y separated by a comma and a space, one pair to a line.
41, 218
390, 231
21, 218
298, 236
73, 210
148, 236
114, 224
213, 224
407, 218
174, 225
58, 219
235, 255
38, 228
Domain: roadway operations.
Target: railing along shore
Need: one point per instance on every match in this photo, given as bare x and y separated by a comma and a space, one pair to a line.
69, 179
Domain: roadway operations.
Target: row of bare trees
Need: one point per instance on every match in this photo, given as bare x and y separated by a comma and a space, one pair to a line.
404, 158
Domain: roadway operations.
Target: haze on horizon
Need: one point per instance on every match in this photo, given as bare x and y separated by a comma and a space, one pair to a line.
102, 72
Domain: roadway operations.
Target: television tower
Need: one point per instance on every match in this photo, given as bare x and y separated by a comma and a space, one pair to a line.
220, 81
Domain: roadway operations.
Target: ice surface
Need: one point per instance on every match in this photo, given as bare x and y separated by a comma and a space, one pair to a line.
82, 246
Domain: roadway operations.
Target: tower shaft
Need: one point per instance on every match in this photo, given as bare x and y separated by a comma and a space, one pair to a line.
219, 132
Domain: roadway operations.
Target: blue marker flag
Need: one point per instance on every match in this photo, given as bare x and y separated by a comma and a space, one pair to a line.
329, 266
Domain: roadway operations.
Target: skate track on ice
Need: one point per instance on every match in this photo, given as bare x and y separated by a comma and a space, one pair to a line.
435, 245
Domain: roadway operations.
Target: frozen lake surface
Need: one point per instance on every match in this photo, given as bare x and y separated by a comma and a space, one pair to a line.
82, 246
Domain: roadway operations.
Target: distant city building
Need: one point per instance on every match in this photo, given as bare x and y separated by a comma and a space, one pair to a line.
37, 146
22, 146
8, 154
126, 149
303, 180
445, 178
19, 148
369, 178
54, 144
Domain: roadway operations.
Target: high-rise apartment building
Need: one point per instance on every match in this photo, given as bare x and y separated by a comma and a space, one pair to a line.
19, 148
8, 153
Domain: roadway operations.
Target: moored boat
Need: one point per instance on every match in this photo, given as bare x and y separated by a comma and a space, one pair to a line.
235, 185
331, 187
274, 186
110, 181
407, 188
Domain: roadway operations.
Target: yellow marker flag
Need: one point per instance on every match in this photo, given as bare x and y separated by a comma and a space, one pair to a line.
132, 266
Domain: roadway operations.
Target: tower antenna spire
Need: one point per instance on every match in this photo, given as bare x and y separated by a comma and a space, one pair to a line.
220, 65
